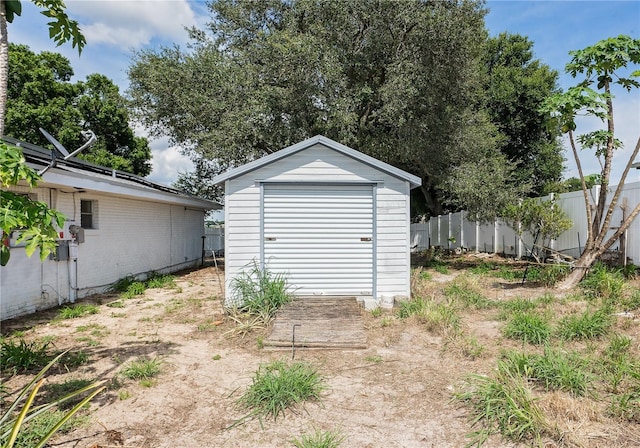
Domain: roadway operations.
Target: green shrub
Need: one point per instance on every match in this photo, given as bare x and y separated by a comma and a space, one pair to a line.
123, 284
588, 325
528, 327
24, 356
277, 386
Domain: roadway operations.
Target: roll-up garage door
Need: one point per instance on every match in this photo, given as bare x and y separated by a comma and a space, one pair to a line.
321, 236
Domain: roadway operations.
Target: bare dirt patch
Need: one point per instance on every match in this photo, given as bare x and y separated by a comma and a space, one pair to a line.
395, 393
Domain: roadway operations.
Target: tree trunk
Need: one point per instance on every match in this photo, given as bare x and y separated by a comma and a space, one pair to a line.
431, 201
585, 261
4, 65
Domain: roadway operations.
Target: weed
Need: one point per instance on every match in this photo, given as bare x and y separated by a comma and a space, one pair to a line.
261, 292
74, 359
79, 310
56, 391
555, 369
588, 325
376, 312
89, 341
425, 275
515, 305
24, 356
216, 357
155, 280
503, 403
123, 284
506, 273
37, 428
386, 321
134, 289
626, 407
466, 345
440, 268
548, 274
629, 271
616, 364
632, 302
116, 304
147, 382
118, 315
319, 439
141, 369
123, 394
96, 330
603, 283
467, 294
483, 268
277, 386
528, 327
436, 316
208, 325
374, 358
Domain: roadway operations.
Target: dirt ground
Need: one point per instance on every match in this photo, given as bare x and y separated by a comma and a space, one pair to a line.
395, 393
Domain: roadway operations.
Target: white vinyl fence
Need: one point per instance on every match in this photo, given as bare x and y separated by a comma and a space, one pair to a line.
214, 239
454, 231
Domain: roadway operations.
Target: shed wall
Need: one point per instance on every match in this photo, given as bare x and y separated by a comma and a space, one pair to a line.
319, 164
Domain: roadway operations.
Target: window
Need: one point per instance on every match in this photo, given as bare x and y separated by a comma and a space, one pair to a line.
88, 214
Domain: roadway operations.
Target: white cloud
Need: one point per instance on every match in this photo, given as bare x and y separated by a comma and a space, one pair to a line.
167, 162
132, 24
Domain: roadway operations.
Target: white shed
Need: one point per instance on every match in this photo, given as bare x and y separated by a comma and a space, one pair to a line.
333, 220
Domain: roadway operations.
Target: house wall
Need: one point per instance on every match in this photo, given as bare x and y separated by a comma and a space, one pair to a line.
132, 237
320, 164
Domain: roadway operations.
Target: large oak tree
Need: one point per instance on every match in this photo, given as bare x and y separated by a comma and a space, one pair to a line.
398, 80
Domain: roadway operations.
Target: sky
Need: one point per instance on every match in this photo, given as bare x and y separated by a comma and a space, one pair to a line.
115, 29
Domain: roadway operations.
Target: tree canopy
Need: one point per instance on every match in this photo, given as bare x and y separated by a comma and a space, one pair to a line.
517, 85
601, 67
396, 80
40, 94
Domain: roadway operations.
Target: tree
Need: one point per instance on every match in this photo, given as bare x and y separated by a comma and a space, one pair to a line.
17, 211
40, 94
601, 64
399, 81
516, 85
61, 29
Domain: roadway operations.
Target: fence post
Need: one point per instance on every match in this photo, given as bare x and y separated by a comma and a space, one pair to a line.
477, 236
462, 230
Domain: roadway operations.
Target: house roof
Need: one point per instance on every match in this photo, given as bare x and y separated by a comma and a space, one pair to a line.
415, 181
81, 175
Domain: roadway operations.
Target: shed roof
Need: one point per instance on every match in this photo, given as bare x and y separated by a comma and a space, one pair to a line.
415, 181
79, 174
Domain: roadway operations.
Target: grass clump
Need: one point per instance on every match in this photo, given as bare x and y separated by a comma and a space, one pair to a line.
319, 439
618, 367
588, 325
278, 386
438, 317
261, 292
548, 275
528, 327
155, 280
603, 283
467, 295
142, 369
554, 370
503, 403
22, 355
37, 428
515, 305
134, 289
75, 311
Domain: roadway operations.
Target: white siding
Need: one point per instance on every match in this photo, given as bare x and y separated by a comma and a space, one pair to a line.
132, 237
319, 164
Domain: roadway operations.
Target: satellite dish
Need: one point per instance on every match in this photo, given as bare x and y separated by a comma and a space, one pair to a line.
89, 135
